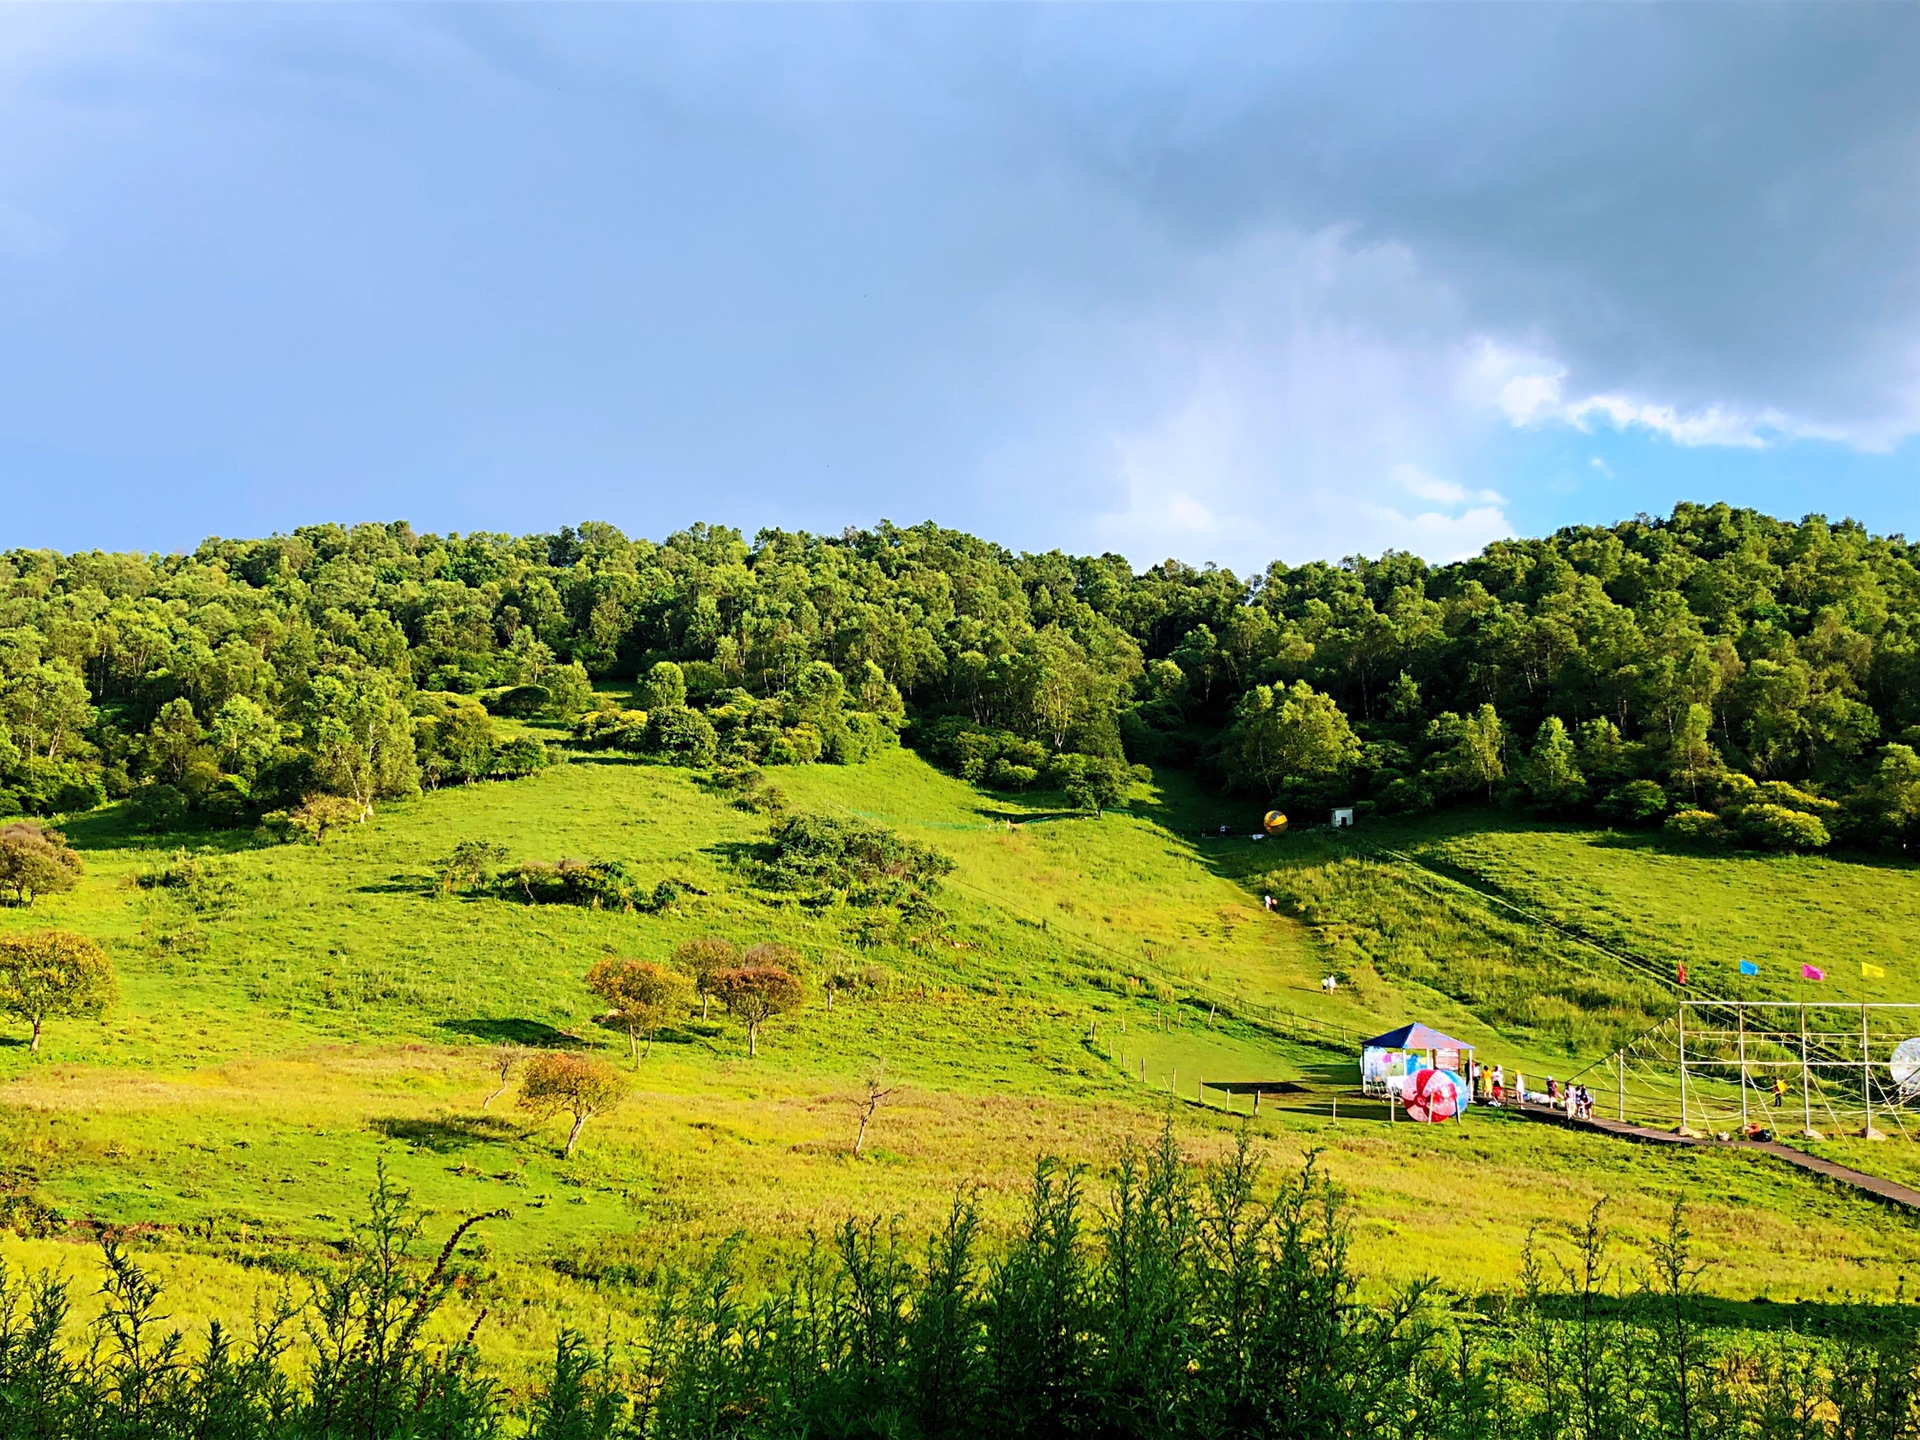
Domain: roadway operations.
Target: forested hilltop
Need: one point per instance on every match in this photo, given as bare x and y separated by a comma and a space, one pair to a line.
1739, 679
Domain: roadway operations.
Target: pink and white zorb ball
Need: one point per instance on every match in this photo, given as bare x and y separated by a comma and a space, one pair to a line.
1434, 1094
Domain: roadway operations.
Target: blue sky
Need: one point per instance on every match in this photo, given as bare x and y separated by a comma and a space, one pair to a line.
1224, 283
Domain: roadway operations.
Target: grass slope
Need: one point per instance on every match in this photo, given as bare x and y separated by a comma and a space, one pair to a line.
317, 1011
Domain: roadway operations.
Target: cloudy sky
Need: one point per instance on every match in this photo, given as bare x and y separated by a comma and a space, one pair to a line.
1224, 283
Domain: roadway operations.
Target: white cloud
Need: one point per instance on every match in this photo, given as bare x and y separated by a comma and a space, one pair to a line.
1422, 486
1530, 391
1302, 403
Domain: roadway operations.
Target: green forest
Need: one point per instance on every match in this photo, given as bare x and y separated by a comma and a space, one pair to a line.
1736, 679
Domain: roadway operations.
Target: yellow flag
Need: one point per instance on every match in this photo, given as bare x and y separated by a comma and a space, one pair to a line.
1872, 972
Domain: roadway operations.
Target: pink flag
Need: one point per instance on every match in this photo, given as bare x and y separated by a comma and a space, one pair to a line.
1808, 972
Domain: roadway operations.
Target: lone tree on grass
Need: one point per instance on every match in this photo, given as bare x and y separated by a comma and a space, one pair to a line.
878, 1090
505, 1057
53, 972
759, 989
576, 1085
35, 861
642, 995
703, 959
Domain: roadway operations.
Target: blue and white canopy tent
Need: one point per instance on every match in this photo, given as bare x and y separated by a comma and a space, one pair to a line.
1387, 1060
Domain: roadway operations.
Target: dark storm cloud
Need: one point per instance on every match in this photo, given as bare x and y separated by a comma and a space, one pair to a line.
1701, 205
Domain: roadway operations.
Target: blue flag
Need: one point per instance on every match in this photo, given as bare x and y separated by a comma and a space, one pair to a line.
1747, 967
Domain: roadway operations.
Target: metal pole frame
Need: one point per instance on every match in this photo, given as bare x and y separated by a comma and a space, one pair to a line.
1866, 1073
1742, 1012
1680, 1021
1806, 1102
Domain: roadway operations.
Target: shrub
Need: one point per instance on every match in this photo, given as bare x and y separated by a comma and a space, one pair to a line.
522, 701
982, 754
1695, 827
50, 787
861, 862
315, 818
796, 745
122, 1373
681, 737
453, 740
520, 757
1405, 795
664, 687
597, 884
1005, 775
158, 808
471, 864
612, 728
751, 791
1091, 782
36, 861
1774, 827
1638, 802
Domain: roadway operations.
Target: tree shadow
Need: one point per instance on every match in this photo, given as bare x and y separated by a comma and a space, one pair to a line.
740, 853
398, 885
112, 827
444, 1134
535, 1034
1002, 815
1654, 842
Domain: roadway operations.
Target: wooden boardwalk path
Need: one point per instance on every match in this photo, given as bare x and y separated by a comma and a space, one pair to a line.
1890, 1191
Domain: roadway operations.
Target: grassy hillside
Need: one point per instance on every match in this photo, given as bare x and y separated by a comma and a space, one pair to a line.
304, 1013
1711, 911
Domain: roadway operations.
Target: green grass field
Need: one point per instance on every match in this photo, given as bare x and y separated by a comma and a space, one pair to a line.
316, 1011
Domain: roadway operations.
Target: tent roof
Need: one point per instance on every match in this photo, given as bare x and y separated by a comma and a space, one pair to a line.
1413, 1037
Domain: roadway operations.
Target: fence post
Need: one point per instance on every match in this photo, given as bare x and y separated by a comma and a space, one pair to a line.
1620, 1070
1806, 1103
1866, 1072
1741, 1011
1680, 1020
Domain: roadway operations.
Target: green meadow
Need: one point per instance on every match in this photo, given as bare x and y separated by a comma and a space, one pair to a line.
305, 1013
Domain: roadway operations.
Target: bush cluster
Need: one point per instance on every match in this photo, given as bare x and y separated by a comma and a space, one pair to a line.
858, 861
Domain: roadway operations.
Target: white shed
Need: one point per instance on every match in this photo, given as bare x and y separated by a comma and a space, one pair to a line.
1343, 818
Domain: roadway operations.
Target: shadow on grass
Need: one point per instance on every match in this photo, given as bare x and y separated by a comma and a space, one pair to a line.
443, 1134
1807, 1317
113, 827
1004, 815
399, 885
536, 1034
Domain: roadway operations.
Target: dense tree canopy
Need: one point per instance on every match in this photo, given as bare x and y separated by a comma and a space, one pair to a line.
1683, 654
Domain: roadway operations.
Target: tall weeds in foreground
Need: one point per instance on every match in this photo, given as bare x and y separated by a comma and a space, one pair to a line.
1174, 1302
